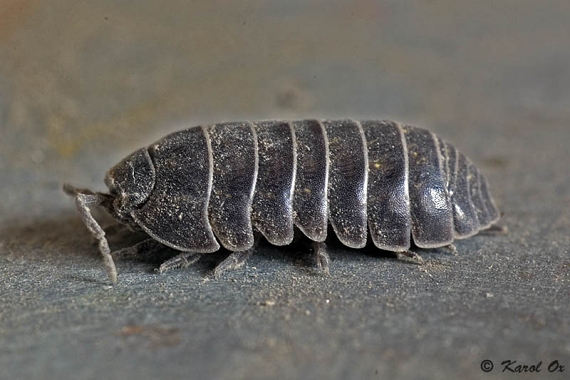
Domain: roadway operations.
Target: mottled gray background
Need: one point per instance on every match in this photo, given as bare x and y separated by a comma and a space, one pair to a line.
84, 83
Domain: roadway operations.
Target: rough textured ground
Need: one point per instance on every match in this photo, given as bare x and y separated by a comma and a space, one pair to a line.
83, 84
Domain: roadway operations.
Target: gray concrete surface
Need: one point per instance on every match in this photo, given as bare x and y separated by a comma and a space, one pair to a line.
84, 83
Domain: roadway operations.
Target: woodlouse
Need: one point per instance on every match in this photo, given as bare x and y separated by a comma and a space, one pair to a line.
209, 185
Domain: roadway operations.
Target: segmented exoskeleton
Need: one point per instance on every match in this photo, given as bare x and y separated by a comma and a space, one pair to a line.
207, 186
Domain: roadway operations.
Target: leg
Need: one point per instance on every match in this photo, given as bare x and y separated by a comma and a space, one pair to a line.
145, 247
410, 256
84, 199
181, 260
236, 259
452, 248
322, 258
495, 230
114, 229
233, 261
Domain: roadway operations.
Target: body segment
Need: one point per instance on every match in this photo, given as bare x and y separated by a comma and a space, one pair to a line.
348, 181
235, 167
430, 205
310, 198
181, 193
272, 210
389, 220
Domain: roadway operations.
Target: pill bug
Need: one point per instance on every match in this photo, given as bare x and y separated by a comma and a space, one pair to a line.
207, 186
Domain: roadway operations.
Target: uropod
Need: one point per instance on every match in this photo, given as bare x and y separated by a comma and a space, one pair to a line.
210, 186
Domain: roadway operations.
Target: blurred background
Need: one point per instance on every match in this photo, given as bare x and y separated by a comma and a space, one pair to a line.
82, 84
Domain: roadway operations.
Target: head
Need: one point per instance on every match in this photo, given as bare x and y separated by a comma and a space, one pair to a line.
130, 183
